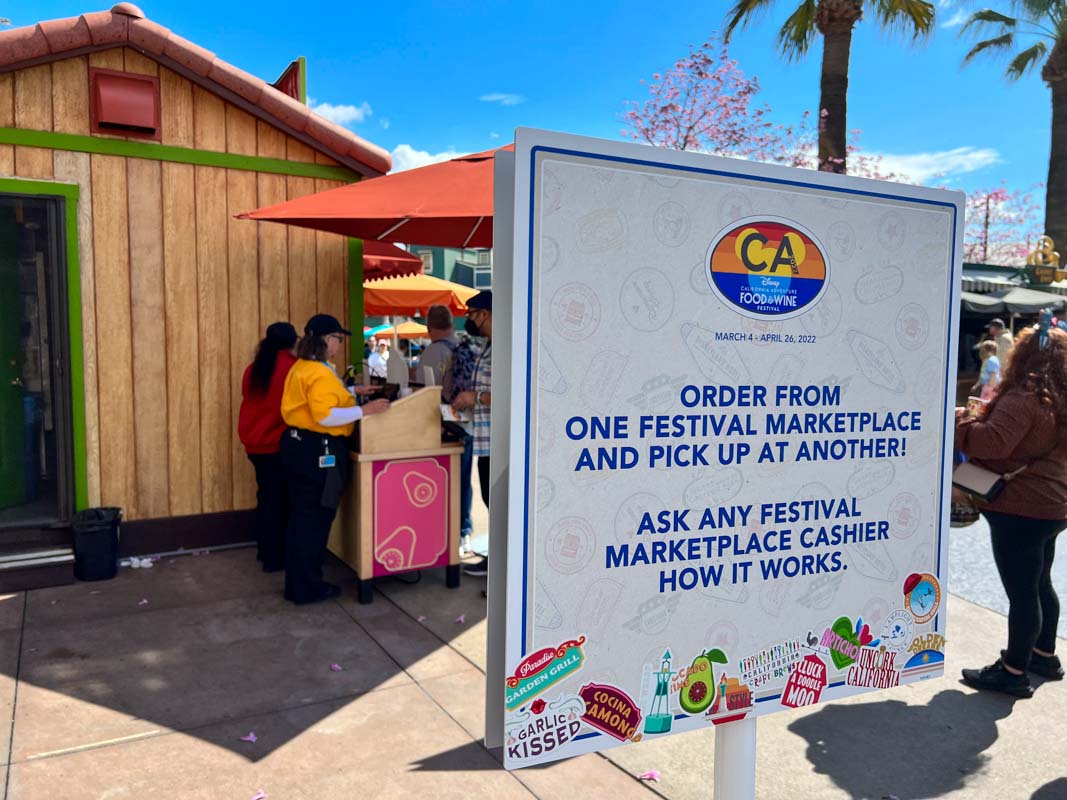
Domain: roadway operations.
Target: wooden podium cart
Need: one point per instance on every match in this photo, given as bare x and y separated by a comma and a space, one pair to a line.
401, 511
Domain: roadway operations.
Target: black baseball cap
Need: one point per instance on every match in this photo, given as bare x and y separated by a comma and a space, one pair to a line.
482, 300
324, 325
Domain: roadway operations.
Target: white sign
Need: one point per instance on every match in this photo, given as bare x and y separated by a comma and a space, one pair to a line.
728, 473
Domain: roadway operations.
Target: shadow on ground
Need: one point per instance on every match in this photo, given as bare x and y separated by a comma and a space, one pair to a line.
460, 759
1055, 790
888, 748
467, 757
197, 642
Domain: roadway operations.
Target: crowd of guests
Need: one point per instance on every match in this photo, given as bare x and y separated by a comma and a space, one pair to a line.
297, 414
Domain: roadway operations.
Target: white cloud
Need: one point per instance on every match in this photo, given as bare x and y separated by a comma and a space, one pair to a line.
922, 167
956, 19
494, 135
407, 157
503, 98
384, 122
343, 114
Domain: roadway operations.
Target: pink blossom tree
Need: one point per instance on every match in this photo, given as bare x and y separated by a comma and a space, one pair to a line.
706, 103
1002, 225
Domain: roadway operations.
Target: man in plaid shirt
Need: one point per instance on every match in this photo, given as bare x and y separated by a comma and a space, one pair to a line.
480, 323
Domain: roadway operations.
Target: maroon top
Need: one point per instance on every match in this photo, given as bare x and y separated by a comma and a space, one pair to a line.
260, 422
1020, 431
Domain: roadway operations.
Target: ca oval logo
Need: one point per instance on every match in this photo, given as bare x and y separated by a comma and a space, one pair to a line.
767, 267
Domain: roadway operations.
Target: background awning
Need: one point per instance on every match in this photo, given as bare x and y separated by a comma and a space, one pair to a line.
1029, 301
384, 260
411, 296
405, 330
981, 303
977, 280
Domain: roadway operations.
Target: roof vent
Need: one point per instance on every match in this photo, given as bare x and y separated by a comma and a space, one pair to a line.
124, 103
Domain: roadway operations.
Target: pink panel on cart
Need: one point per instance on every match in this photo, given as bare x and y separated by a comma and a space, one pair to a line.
411, 499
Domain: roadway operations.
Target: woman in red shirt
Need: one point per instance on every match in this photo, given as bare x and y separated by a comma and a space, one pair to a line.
260, 427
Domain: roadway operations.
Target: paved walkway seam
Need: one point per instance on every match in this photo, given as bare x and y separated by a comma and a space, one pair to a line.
15, 696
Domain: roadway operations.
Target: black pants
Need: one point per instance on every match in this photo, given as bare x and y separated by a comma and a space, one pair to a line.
314, 492
272, 509
1024, 549
483, 478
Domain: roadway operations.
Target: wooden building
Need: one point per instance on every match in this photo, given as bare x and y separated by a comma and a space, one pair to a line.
130, 297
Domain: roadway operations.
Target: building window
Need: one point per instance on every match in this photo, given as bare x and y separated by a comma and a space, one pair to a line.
484, 258
427, 261
483, 276
125, 104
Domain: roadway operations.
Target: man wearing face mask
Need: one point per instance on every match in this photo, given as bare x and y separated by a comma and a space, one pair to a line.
480, 323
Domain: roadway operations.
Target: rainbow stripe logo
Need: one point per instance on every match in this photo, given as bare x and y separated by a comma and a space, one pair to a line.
767, 267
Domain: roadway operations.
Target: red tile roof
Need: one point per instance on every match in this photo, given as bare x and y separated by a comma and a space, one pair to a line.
125, 25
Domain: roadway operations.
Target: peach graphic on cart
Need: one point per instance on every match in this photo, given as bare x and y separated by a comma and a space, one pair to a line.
420, 489
410, 515
397, 550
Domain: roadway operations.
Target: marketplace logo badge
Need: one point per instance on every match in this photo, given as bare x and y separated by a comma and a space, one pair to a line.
611, 711
767, 267
845, 641
924, 664
806, 682
541, 670
545, 727
922, 595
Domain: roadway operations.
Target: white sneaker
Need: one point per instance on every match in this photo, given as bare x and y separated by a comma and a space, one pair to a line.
465, 545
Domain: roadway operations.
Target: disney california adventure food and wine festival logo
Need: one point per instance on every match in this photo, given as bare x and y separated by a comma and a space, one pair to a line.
767, 267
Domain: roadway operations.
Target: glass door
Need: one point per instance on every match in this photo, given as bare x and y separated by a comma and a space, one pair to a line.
36, 489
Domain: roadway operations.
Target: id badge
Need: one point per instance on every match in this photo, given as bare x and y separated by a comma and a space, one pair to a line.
325, 462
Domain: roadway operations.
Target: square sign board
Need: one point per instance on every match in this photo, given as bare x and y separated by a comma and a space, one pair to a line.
731, 399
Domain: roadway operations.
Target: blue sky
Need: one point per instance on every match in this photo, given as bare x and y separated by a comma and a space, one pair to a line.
425, 80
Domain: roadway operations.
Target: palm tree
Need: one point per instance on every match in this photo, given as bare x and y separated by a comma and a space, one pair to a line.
1045, 20
834, 19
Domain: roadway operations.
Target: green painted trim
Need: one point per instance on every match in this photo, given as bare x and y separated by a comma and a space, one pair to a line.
303, 79
355, 293
182, 155
69, 193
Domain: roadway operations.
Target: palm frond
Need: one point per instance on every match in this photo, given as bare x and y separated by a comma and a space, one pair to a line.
1038, 9
799, 31
1026, 61
1004, 42
744, 12
915, 17
988, 16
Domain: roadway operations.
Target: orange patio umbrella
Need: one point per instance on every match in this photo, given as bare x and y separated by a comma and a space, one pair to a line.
384, 260
405, 330
449, 204
410, 296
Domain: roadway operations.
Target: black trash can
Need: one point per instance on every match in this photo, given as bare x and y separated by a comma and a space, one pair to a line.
96, 543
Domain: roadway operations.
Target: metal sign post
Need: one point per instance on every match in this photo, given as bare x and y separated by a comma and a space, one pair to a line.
735, 760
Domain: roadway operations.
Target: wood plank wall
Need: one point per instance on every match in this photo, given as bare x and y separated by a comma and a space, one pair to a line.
175, 291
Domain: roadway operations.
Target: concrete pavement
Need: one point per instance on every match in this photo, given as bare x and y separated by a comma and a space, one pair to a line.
106, 696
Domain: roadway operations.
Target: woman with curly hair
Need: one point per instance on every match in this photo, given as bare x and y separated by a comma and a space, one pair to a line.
1025, 427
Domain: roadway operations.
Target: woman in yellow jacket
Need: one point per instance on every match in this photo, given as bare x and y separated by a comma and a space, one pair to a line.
320, 414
